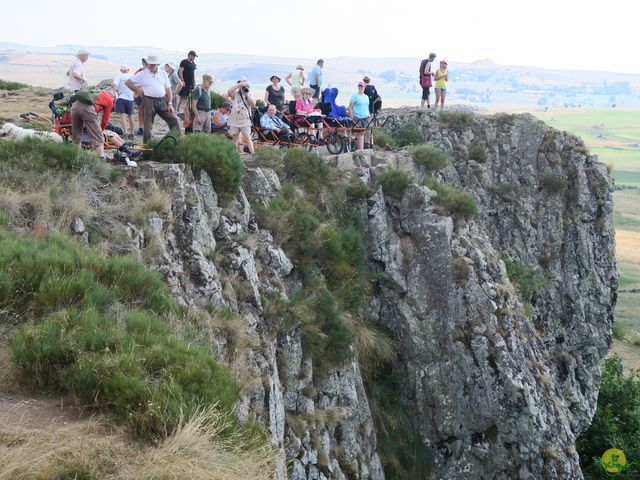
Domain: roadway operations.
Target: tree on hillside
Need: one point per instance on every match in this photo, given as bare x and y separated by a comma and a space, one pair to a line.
616, 423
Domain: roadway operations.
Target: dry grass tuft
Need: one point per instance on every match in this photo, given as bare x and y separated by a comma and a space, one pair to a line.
373, 347
155, 201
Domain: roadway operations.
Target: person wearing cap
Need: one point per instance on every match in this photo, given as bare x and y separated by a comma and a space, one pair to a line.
274, 93
426, 77
124, 102
315, 78
176, 83
187, 73
152, 84
220, 117
77, 80
441, 78
359, 111
138, 100
240, 116
84, 118
296, 80
201, 105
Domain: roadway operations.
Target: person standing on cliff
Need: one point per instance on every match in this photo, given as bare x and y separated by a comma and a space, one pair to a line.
77, 80
441, 78
187, 73
315, 79
426, 78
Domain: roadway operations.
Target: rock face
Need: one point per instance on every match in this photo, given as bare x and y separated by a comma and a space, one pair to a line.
498, 383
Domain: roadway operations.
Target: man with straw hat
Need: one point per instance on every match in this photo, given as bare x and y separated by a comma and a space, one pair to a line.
153, 85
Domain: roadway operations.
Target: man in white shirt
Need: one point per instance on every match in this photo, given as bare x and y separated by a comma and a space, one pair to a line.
124, 103
152, 84
75, 73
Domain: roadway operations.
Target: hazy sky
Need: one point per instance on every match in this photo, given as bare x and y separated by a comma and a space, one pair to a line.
564, 34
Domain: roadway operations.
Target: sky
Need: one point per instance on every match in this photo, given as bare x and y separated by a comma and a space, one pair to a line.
559, 34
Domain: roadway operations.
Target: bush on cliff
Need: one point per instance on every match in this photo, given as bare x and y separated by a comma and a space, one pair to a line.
616, 423
409, 133
460, 205
394, 182
36, 155
95, 328
430, 157
215, 154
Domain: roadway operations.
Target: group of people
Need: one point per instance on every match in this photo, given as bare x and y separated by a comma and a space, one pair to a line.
437, 79
154, 89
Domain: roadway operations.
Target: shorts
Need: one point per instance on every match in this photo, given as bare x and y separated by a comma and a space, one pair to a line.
233, 130
186, 90
441, 90
296, 91
137, 101
124, 106
425, 93
316, 90
361, 122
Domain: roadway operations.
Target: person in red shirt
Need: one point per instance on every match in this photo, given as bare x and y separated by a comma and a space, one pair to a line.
84, 117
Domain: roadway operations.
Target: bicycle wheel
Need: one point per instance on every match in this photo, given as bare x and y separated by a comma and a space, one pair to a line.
334, 143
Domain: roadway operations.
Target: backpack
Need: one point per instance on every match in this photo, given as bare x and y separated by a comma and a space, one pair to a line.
88, 96
425, 80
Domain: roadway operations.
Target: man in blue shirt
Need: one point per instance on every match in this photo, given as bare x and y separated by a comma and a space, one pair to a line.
269, 121
359, 111
315, 79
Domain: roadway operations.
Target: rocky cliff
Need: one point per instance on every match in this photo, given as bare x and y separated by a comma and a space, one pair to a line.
499, 321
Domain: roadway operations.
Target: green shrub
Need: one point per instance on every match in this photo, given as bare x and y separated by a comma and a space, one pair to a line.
553, 182
36, 155
408, 134
306, 170
430, 157
5, 85
383, 140
477, 151
460, 205
527, 280
132, 367
356, 189
215, 154
395, 182
260, 103
4, 218
270, 155
616, 423
216, 100
504, 119
619, 331
456, 120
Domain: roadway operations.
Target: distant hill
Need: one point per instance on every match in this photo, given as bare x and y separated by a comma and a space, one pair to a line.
482, 83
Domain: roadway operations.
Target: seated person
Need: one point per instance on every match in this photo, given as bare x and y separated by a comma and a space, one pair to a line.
124, 154
269, 121
220, 117
305, 107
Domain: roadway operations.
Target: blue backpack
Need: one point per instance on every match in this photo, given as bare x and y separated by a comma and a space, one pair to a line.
329, 96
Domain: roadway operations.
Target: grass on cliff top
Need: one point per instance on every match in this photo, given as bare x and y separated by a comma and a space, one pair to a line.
98, 329
215, 154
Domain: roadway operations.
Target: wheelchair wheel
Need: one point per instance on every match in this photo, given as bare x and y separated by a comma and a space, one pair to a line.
334, 143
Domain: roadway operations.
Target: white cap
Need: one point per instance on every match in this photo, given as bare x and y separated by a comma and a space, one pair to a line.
82, 51
124, 67
171, 65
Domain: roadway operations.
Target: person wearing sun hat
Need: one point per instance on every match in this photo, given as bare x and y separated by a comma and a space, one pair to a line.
124, 103
77, 80
153, 85
441, 78
274, 94
359, 111
296, 80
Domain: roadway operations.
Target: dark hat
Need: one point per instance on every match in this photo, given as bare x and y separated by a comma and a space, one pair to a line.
227, 105
191, 52
275, 76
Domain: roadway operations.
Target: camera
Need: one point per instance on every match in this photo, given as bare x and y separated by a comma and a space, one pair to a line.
245, 89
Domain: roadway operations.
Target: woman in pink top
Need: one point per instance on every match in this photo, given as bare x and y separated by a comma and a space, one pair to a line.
312, 115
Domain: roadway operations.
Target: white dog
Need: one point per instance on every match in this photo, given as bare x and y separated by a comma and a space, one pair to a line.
9, 130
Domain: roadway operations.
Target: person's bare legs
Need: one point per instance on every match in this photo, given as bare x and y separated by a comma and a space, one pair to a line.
132, 124
248, 141
442, 97
123, 122
435, 105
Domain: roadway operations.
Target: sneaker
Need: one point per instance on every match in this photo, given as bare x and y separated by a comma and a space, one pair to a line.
104, 158
124, 160
140, 132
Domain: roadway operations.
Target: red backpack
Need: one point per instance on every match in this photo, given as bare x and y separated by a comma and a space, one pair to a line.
425, 80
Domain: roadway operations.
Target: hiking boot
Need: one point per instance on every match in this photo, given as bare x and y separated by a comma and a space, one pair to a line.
140, 132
